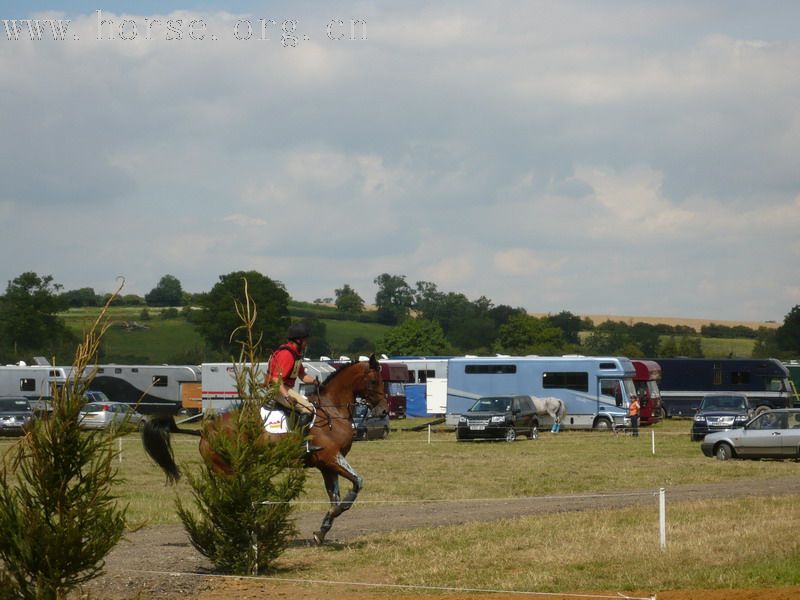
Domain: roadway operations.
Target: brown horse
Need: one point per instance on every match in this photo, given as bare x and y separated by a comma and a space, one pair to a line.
332, 431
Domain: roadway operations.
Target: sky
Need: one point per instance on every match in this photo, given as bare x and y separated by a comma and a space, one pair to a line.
618, 157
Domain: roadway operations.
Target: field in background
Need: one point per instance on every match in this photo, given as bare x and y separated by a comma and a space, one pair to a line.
132, 339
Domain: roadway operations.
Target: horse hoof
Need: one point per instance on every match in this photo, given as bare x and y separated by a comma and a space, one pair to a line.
318, 538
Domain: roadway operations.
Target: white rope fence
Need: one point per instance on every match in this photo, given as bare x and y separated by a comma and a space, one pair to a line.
397, 586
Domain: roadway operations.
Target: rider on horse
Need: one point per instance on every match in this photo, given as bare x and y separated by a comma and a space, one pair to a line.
285, 367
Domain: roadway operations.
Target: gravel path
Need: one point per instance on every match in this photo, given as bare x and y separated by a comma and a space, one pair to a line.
141, 565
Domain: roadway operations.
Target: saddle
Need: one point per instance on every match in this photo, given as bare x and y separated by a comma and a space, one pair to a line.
276, 422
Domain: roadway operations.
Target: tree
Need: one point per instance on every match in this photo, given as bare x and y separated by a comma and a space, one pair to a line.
668, 348
29, 323
524, 334
571, 325
168, 292
394, 298
348, 300
787, 335
82, 297
59, 513
690, 347
217, 318
415, 337
242, 522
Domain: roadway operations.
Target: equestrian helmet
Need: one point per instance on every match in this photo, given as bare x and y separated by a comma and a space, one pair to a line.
298, 331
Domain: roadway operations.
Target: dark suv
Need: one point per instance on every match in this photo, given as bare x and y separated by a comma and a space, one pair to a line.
15, 415
498, 418
720, 411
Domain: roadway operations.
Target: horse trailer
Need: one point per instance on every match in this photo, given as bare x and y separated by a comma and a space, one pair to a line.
647, 378
596, 391
219, 390
37, 383
149, 389
684, 382
426, 386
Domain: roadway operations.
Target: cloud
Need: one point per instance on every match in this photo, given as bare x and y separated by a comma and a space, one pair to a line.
631, 157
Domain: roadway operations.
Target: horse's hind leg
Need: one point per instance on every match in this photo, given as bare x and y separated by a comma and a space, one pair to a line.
332, 486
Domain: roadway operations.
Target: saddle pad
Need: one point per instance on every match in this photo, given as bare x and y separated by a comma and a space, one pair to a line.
274, 421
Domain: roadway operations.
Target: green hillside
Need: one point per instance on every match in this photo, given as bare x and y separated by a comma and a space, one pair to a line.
134, 339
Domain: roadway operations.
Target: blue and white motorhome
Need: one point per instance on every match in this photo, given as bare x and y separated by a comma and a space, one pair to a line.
426, 388
596, 390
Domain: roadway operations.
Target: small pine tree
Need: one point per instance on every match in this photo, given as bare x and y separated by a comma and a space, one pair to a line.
59, 517
241, 522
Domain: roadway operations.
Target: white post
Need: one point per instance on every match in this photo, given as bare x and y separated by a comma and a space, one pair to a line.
429, 433
120, 449
653, 441
662, 517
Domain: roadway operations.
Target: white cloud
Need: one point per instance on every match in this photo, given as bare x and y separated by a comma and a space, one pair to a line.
566, 155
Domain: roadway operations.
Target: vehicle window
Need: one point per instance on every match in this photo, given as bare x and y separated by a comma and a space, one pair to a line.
578, 381
27, 385
770, 421
776, 384
13, 404
93, 407
795, 421
526, 404
611, 387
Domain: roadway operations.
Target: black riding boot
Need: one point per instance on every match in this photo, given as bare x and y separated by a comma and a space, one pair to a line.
304, 420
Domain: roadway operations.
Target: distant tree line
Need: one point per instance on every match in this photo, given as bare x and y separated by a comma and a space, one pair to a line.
424, 320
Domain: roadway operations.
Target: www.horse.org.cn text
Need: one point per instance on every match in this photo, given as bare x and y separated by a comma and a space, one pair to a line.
288, 33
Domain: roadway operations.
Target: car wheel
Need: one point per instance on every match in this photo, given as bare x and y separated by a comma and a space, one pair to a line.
602, 424
534, 434
723, 452
140, 426
511, 434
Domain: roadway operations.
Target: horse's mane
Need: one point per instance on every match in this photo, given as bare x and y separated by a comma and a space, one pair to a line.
336, 373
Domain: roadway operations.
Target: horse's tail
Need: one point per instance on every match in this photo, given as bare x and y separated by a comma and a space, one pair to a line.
156, 442
561, 411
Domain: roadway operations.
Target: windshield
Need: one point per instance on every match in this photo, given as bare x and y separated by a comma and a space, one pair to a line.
491, 405
14, 405
723, 403
395, 388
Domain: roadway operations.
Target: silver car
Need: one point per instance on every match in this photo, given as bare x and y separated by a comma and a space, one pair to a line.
102, 415
772, 434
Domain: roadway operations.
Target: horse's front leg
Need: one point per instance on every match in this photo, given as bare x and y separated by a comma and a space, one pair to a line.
332, 486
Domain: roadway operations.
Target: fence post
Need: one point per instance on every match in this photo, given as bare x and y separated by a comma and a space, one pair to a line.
653, 441
429, 433
662, 517
120, 449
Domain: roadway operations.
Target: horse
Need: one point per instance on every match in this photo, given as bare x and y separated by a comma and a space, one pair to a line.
331, 431
552, 406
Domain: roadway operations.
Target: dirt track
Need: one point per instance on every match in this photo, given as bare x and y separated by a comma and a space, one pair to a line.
149, 564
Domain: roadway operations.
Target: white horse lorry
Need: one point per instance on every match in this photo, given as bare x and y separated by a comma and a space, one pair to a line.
219, 391
34, 382
149, 389
597, 391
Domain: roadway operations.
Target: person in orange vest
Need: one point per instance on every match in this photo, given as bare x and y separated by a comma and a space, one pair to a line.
285, 367
633, 413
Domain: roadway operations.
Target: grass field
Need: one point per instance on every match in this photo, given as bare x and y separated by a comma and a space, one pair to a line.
159, 341
718, 543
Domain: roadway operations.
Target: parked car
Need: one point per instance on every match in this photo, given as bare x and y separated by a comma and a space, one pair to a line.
367, 426
772, 434
102, 415
720, 411
498, 417
15, 415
